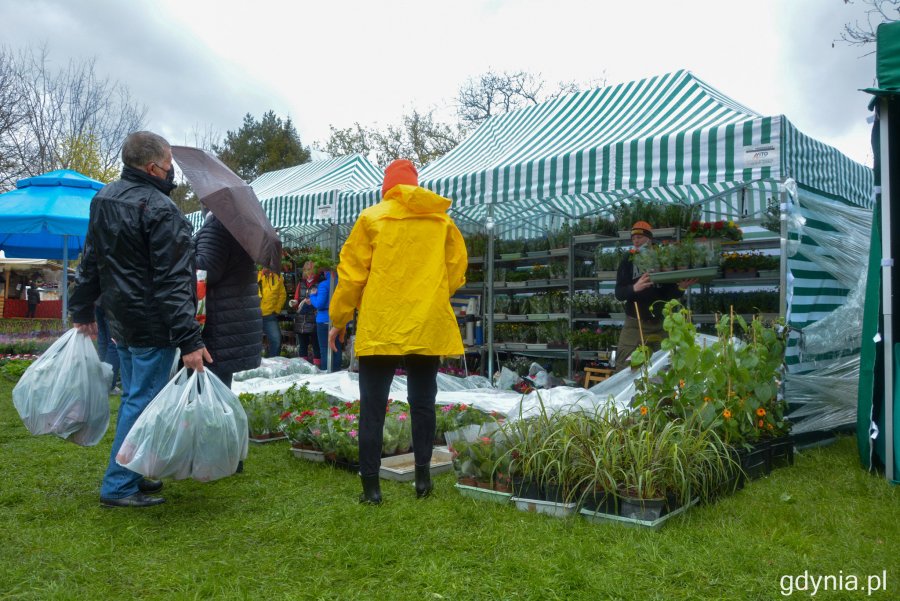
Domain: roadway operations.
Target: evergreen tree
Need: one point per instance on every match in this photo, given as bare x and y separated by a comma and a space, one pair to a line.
262, 146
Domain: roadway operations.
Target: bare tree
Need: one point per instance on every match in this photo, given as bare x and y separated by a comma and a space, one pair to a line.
879, 11
493, 93
418, 137
73, 103
10, 117
203, 136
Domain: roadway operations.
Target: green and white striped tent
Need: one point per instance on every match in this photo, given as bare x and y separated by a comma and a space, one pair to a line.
671, 138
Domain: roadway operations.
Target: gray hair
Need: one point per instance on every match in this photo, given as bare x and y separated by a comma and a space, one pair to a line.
142, 147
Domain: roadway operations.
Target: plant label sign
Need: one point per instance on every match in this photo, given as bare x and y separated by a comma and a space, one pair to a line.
765, 155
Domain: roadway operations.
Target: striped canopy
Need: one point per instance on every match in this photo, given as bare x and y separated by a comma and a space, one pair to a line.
671, 138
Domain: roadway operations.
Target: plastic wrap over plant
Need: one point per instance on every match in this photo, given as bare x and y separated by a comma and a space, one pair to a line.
276, 367
66, 392
825, 398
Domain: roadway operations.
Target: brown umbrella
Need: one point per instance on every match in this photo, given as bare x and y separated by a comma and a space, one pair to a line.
233, 202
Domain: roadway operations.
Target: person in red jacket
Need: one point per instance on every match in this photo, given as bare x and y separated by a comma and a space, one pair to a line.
305, 319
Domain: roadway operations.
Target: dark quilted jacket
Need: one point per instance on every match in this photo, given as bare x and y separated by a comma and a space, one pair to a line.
233, 331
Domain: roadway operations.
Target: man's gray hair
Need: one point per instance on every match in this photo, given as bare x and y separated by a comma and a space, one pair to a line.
142, 147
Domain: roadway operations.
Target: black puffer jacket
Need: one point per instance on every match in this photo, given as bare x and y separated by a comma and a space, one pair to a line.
233, 331
138, 252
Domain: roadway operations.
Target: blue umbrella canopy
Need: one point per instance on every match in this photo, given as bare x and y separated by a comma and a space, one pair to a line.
41, 210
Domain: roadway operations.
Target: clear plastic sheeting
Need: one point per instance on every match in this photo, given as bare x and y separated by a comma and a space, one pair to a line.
825, 399
276, 367
844, 255
822, 388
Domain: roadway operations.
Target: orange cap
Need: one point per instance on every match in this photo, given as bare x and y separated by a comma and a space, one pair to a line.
400, 171
642, 228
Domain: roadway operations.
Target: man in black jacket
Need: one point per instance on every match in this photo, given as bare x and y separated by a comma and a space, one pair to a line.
233, 330
635, 288
138, 253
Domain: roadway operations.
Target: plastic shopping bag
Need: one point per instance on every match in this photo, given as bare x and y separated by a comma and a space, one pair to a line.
194, 428
66, 391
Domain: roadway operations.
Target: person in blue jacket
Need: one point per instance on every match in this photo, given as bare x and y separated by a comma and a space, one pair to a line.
320, 300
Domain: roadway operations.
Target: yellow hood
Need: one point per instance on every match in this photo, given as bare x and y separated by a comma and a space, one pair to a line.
400, 265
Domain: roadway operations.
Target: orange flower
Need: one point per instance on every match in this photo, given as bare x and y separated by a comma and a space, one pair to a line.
644, 410
760, 423
770, 426
706, 399
761, 412
726, 414
681, 383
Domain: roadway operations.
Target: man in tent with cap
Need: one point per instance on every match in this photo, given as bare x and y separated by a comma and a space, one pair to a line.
400, 265
635, 288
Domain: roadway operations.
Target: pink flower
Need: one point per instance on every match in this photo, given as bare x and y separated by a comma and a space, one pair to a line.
402, 417
446, 408
352, 433
316, 432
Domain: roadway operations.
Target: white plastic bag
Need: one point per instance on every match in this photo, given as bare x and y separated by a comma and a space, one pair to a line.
66, 391
194, 428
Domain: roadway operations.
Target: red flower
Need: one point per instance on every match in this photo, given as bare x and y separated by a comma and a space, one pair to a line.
285, 415
719, 225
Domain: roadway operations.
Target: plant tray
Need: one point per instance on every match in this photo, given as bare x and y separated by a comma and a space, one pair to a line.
500, 316
559, 510
402, 468
537, 253
483, 494
600, 517
769, 273
617, 316
537, 346
517, 317
532, 283
606, 275
507, 256
558, 252
515, 346
261, 440
555, 316
309, 455
670, 277
521, 284
538, 316
589, 238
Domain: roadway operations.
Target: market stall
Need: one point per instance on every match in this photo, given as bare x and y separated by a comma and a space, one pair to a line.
16, 275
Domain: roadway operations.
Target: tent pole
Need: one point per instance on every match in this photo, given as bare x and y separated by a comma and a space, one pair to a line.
887, 291
782, 267
334, 255
65, 282
489, 289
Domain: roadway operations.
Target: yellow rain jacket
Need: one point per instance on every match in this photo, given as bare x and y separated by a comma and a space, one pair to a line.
400, 265
272, 293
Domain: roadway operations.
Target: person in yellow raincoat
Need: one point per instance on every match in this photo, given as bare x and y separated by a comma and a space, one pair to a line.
272, 295
400, 265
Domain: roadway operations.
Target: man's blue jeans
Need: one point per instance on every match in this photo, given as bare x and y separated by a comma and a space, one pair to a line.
145, 371
273, 335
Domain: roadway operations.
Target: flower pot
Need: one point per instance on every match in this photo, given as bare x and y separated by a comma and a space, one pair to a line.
600, 501
526, 488
756, 462
645, 510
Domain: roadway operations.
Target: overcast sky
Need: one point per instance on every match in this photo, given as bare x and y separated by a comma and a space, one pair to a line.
201, 64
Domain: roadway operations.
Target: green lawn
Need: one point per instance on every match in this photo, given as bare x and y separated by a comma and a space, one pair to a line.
287, 529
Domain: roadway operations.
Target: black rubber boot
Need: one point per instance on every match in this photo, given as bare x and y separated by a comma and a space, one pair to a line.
371, 494
423, 481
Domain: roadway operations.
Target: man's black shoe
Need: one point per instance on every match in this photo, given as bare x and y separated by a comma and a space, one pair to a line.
149, 487
138, 499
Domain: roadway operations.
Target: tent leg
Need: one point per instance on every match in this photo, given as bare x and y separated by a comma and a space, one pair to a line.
489, 293
64, 284
887, 293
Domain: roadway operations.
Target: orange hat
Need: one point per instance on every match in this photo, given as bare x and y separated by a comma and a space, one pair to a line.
642, 228
400, 171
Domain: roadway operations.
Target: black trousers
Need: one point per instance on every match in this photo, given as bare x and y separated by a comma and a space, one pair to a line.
303, 343
375, 375
32, 307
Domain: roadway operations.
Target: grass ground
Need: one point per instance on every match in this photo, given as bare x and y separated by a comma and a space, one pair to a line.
287, 529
